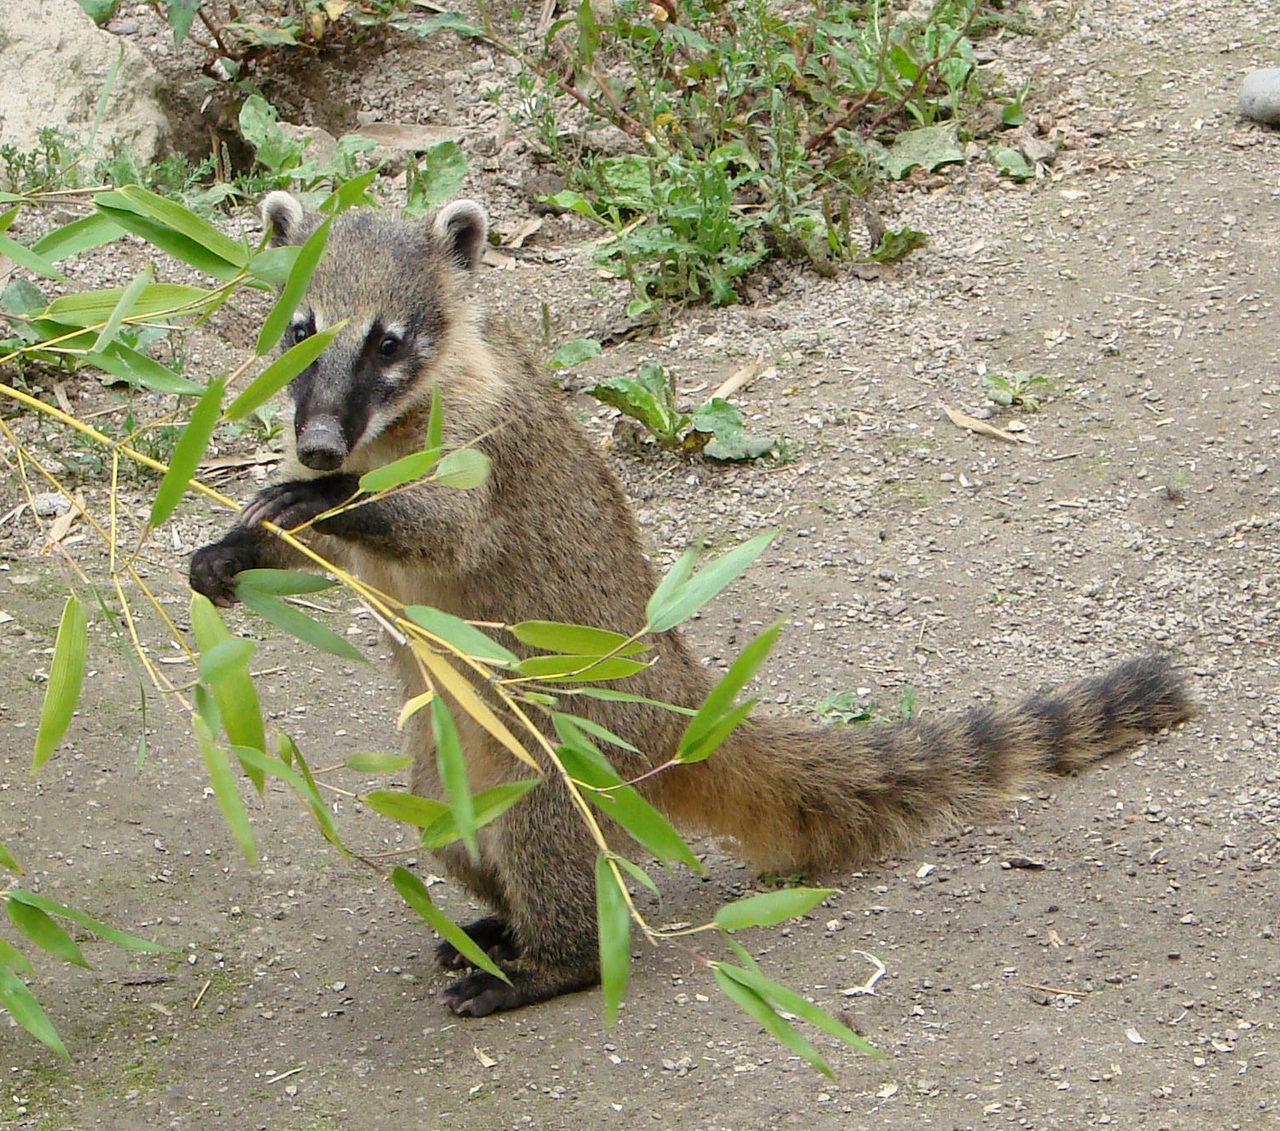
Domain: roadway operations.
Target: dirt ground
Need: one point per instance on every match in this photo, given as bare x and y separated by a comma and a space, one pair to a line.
1133, 980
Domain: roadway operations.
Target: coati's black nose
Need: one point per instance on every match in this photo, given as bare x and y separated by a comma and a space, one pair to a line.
321, 445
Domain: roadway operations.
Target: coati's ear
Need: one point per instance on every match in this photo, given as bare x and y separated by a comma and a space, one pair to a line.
461, 227
285, 217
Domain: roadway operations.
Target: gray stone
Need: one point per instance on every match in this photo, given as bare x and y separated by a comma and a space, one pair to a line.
1260, 96
56, 63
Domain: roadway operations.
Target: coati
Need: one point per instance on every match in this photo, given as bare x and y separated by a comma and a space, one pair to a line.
550, 536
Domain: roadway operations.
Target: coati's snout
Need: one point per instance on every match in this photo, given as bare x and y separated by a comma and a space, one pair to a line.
320, 443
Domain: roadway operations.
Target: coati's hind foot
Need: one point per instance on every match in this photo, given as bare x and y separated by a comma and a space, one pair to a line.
480, 993
491, 934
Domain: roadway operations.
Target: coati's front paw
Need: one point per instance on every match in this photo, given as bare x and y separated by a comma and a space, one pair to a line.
214, 567
299, 501
480, 993
490, 934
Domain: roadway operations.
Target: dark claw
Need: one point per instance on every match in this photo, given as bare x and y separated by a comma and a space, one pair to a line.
293, 504
214, 567
479, 994
491, 934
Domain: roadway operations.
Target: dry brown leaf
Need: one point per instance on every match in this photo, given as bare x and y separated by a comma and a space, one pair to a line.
59, 527
486, 1061
741, 378
522, 233
973, 424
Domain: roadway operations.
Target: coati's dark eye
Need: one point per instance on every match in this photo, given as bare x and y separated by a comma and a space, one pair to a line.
389, 346
299, 332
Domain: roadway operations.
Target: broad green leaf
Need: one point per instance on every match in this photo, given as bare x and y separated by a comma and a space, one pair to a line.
124, 213
225, 659
80, 235
574, 639
489, 805
594, 729
188, 452
136, 368
281, 371
437, 178
128, 300
174, 216
90, 308
769, 908
440, 21
99, 11
296, 623
180, 13
23, 256
614, 923
572, 669
44, 932
108, 934
233, 693
751, 1003
1012, 164
583, 759
407, 807
453, 775
464, 469
465, 637
8, 860
13, 958
927, 147
66, 673
224, 790
374, 762
22, 297
689, 597
648, 398
414, 892
282, 582
295, 287
792, 1002
398, 472
718, 703
574, 352
299, 780
26, 1011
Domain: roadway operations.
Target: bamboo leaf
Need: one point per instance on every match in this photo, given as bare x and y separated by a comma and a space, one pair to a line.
188, 452
232, 691
453, 775
7, 860
108, 934
414, 892
693, 743
644, 824
296, 623
136, 368
272, 265
281, 371
489, 805
23, 256
376, 763
299, 780
463, 469
455, 631
574, 639
26, 1011
128, 300
225, 659
756, 1007
719, 731
435, 422
44, 932
224, 790
233, 252
595, 730
769, 908
80, 235
407, 807
90, 308
349, 193
572, 669
673, 580
398, 472
66, 674
636, 872
612, 695
684, 599
294, 288
13, 958
282, 582
125, 214
614, 923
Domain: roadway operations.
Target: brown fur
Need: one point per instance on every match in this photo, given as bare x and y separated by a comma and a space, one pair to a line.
550, 536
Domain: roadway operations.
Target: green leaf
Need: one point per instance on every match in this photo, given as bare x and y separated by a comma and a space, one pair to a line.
592, 728
1012, 164
232, 691
611, 695
693, 745
225, 659
792, 1002
99, 11
756, 1007
108, 934
441, 21
124, 213
272, 265
233, 252
898, 243
44, 932
720, 730
464, 469
7, 860
373, 762
66, 674
188, 452
13, 958
180, 13
645, 824
26, 1011
282, 582
23, 256
296, 623
398, 472
414, 892
407, 807
679, 602
614, 923
465, 637
573, 353
136, 368
489, 805
927, 148
770, 908
299, 780
435, 422
674, 579
350, 192
574, 639
283, 370
80, 235
291, 296
437, 178
22, 297
224, 790
571, 669
636, 872
453, 775
90, 308
648, 398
